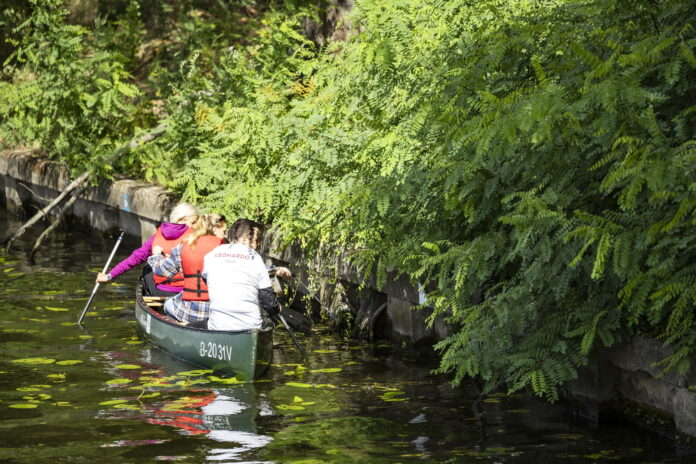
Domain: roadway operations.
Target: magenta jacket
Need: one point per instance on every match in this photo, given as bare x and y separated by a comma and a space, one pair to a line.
140, 255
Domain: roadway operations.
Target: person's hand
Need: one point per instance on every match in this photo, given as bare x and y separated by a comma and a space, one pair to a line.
102, 278
157, 250
283, 272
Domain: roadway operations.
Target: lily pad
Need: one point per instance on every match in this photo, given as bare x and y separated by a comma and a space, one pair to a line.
298, 385
112, 402
128, 366
195, 372
327, 370
23, 405
69, 362
34, 361
118, 381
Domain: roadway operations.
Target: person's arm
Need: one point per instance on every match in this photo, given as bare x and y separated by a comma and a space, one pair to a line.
138, 256
166, 266
268, 301
267, 297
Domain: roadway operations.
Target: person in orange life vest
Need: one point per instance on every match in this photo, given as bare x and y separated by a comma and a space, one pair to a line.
191, 304
168, 235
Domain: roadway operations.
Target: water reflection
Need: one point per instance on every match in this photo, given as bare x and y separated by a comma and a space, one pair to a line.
223, 415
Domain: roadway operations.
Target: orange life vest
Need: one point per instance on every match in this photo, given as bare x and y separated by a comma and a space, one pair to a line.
167, 245
195, 288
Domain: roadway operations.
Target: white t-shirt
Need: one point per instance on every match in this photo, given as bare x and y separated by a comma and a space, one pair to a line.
234, 273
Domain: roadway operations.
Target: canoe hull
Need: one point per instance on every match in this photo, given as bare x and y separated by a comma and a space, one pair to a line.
242, 354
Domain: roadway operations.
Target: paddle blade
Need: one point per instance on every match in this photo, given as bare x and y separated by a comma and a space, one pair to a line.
297, 320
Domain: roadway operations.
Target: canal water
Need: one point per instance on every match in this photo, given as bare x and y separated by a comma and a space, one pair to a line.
100, 394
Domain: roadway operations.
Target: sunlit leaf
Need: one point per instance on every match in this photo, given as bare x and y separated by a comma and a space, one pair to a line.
289, 407
69, 362
34, 361
327, 370
112, 402
195, 372
118, 381
298, 385
23, 406
128, 366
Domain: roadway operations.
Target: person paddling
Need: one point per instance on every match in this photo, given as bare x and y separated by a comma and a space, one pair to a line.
191, 304
168, 235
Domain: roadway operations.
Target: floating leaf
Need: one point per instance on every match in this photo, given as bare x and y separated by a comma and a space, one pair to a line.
28, 389
325, 385
298, 385
134, 342
132, 407
118, 381
289, 407
184, 383
128, 366
23, 406
297, 399
69, 362
62, 403
325, 351
54, 308
111, 402
229, 381
56, 376
34, 361
150, 395
327, 370
195, 372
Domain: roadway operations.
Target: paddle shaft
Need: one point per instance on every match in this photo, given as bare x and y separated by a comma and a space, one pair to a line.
96, 286
292, 335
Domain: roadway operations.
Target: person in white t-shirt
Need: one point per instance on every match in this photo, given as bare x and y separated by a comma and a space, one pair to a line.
238, 281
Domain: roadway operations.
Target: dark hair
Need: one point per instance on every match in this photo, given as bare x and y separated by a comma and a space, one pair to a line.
244, 227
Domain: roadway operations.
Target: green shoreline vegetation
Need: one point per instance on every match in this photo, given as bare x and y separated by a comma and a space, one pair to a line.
531, 164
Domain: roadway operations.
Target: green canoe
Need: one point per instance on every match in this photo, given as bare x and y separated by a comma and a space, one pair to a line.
244, 354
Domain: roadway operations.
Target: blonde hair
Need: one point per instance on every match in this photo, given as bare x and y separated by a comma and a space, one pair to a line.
182, 211
205, 225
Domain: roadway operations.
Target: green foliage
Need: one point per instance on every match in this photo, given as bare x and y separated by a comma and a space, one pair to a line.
530, 164
63, 93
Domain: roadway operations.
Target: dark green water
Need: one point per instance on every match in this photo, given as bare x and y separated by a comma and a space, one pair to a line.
99, 394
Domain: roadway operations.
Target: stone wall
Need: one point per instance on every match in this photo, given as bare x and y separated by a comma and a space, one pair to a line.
626, 380
133, 206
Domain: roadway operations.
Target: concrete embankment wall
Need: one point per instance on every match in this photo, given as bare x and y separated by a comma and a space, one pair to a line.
620, 379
